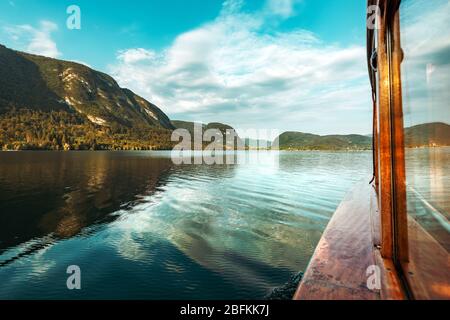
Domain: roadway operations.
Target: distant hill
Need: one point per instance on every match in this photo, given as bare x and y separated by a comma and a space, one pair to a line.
223, 128
424, 135
307, 141
257, 144
429, 134
33, 87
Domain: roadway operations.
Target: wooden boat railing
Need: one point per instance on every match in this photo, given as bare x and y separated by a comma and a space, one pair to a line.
372, 249
348, 255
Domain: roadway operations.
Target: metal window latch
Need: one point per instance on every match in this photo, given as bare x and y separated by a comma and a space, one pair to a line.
374, 60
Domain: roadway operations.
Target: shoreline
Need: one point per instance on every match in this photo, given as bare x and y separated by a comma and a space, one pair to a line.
169, 150
246, 150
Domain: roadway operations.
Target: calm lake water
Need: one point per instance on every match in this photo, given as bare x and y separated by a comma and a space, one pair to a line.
140, 227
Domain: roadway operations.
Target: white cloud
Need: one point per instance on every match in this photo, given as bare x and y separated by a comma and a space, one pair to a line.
229, 70
282, 8
131, 56
36, 40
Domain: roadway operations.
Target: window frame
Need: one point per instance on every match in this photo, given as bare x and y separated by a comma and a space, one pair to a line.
389, 163
388, 134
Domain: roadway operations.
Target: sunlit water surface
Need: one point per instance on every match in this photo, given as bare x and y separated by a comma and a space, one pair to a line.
140, 227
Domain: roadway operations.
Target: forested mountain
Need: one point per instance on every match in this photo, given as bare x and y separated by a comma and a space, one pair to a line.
307, 141
224, 130
52, 104
424, 135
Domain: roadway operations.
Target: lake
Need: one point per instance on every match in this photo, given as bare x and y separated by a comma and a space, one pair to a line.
140, 227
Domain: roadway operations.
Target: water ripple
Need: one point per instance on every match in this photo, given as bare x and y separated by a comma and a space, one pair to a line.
140, 227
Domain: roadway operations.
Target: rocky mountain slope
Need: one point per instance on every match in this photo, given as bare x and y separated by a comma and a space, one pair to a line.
52, 104
44, 84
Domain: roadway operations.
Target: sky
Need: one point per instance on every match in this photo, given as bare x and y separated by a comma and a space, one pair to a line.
290, 65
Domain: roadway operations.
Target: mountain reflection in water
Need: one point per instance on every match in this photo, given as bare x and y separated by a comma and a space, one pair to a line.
140, 227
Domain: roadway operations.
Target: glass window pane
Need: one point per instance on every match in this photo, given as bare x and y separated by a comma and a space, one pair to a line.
425, 26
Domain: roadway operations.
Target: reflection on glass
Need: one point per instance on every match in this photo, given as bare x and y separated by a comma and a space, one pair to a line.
426, 83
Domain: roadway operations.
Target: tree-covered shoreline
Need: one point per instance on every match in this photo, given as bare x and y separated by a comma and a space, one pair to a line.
26, 129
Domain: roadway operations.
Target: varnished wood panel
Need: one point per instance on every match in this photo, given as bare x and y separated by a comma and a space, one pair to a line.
338, 268
399, 175
385, 143
391, 287
428, 269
